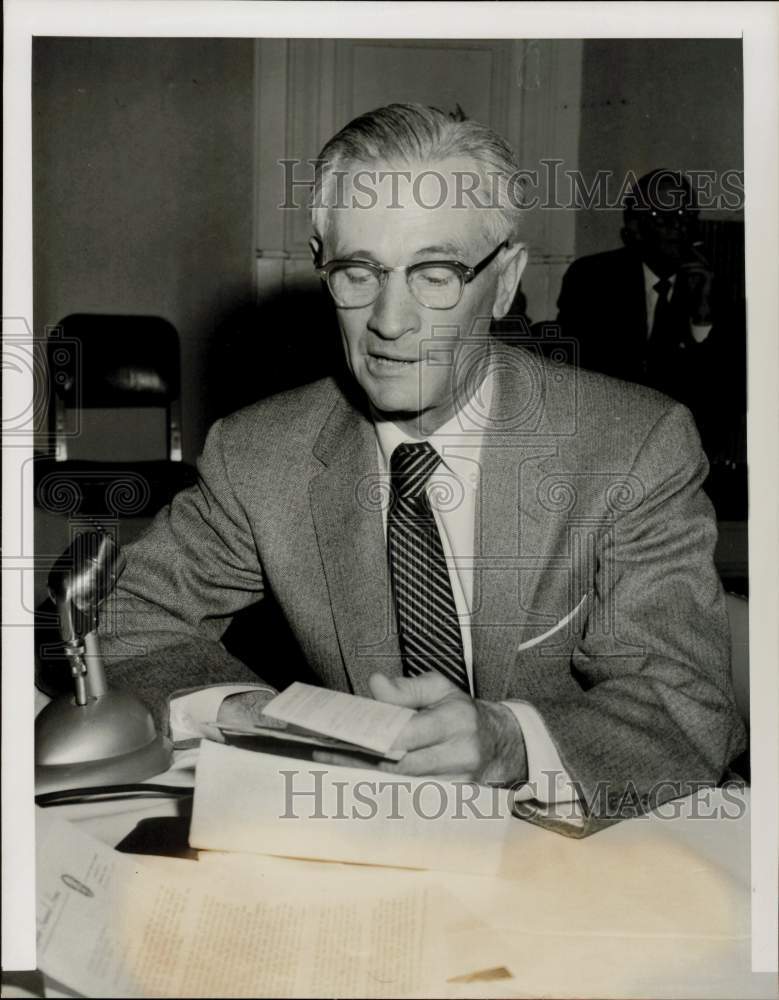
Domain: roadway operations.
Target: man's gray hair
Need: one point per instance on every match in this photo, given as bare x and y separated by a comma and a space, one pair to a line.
405, 134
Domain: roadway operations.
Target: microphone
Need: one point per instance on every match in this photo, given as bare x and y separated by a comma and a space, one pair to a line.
80, 580
97, 735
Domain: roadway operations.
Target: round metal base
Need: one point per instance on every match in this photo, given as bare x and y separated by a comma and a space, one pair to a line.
109, 741
137, 765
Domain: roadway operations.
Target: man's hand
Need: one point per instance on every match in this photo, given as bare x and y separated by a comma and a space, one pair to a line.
245, 709
452, 735
697, 282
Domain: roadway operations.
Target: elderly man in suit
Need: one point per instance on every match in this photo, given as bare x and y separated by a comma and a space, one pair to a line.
640, 311
653, 311
520, 551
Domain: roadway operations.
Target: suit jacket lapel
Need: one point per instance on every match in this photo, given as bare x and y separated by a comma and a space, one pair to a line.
635, 299
512, 538
346, 506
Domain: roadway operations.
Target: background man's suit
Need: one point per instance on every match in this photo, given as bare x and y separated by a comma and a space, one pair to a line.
602, 304
597, 599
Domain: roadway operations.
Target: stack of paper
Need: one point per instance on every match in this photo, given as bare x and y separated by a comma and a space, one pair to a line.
259, 803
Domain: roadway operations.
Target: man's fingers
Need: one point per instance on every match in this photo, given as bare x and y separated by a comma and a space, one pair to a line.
415, 764
426, 729
342, 759
453, 718
245, 709
697, 272
400, 769
411, 692
446, 760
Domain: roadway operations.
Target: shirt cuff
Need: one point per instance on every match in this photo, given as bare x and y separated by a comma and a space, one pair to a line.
548, 785
193, 709
700, 331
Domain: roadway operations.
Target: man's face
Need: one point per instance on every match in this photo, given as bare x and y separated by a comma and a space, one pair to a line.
665, 232
408, 357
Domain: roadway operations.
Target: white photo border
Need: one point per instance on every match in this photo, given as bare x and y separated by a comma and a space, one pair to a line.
757, 24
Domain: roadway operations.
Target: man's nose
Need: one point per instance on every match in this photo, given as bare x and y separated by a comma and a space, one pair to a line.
675, 221
395, 311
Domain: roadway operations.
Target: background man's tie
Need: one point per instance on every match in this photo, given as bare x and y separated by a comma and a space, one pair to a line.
665, 352
663, 320
429, 630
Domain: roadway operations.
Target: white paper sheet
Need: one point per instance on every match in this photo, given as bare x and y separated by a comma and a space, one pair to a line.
347, 717
479, 959
265, 804
109, 926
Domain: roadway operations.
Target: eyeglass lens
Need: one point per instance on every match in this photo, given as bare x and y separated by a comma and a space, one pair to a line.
435, 286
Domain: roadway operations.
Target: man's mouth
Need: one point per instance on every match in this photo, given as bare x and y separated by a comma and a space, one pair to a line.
386, 360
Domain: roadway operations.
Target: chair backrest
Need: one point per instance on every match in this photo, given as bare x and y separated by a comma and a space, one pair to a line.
115, 384
738, 616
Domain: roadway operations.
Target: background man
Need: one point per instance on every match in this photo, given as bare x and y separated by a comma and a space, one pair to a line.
521, 552
639, 310
654, 312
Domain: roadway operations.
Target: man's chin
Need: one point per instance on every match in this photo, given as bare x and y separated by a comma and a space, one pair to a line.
396, 411
394, 401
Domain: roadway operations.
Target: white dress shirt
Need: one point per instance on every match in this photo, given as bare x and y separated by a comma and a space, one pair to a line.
453, 492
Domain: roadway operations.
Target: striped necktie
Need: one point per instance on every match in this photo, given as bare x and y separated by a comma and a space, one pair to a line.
429, 630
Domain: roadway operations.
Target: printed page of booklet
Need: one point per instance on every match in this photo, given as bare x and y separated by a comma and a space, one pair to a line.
111, 925
346, 717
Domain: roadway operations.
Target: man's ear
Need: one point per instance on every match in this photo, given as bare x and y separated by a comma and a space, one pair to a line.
316, 249
512, 263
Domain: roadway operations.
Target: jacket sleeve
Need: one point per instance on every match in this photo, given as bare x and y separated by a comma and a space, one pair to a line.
653, 716
194, 568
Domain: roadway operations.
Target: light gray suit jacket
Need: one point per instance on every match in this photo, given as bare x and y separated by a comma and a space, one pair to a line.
595, 596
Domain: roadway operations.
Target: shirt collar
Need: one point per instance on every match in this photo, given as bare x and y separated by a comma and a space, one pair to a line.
651, 279
461, 432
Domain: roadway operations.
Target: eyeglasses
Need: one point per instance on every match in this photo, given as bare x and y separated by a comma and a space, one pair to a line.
435, 284
668, 215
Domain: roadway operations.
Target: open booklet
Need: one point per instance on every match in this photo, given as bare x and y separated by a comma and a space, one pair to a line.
305, 718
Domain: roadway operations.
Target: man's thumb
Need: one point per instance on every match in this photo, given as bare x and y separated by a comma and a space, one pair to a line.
411, 692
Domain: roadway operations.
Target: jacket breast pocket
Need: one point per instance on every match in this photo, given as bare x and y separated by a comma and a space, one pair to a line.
564, 632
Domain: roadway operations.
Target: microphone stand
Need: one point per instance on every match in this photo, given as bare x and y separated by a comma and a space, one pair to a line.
96, 735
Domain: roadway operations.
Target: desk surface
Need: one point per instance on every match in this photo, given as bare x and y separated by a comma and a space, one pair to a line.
651, 907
